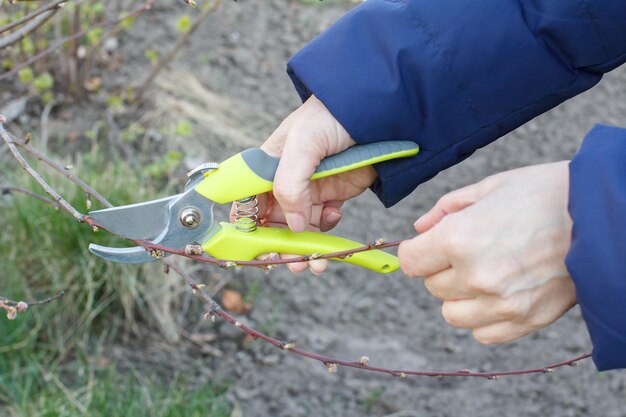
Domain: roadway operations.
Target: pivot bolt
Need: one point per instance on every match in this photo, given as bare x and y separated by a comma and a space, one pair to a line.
190, 217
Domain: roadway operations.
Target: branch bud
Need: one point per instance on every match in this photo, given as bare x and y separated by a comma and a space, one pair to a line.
156, 253
195, 250
364, 361
209, 315
21, 306
289, 346
197, 287
332, 368
11, 313
379, 242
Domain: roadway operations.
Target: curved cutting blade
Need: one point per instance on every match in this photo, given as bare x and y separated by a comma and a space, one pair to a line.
172, 234
143, 221
134, 255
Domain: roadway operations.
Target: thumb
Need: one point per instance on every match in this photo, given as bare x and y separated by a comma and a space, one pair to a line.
452, 202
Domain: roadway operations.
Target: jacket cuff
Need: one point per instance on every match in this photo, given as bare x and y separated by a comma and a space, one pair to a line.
597, 258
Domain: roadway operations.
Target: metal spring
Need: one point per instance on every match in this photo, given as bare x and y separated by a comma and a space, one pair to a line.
246, 214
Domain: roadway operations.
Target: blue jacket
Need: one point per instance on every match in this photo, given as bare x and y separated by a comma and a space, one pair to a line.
454, 75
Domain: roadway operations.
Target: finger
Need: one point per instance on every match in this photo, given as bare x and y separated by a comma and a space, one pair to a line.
450, 203
470, 313
330, 218
318, 266
295, 267
502, 332
444, 285
291, 183
423, 255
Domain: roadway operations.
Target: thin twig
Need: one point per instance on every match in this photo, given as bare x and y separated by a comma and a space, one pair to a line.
26, 167
332, 364
47, 300
9, 189
60, 169
52, 6
145, 6
25, 30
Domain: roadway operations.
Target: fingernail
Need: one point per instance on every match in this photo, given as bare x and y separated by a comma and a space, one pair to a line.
295, 221
417, 221
333, 217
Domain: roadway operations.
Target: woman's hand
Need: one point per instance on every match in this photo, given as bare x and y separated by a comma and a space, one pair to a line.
302, 140
494, 253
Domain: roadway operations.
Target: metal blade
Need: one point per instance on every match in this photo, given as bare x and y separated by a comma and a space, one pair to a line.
134, 255
174, 234
144, 221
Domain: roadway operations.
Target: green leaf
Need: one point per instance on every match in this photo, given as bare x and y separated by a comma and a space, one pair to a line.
47, 97
115, 102
183, 24
28, 46
26, 75
128, 22
94, 35
98, 8
184, 128
7, 64
44, 82
153, 56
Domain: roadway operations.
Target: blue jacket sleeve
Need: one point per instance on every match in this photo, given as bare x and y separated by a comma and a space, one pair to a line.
597, 257
454, 75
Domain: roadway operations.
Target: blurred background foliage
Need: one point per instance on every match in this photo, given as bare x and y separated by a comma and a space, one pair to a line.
43, 252
65, 358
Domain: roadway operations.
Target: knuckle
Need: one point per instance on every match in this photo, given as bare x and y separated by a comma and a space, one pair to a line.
513, 309
285, 195
481, 284
475, 283
453, 240
445, 201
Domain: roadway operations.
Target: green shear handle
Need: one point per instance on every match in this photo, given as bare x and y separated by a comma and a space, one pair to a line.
252, 172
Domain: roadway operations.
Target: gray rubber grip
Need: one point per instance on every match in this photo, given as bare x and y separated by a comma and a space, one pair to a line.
359, 153
265, 165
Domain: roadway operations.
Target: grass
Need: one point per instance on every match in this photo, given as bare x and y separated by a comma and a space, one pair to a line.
77, 389
49, 355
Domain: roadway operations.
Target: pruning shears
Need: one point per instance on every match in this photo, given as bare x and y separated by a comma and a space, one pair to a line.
187, 218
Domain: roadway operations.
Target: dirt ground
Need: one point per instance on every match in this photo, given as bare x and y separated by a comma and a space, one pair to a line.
240, 54
349, 312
